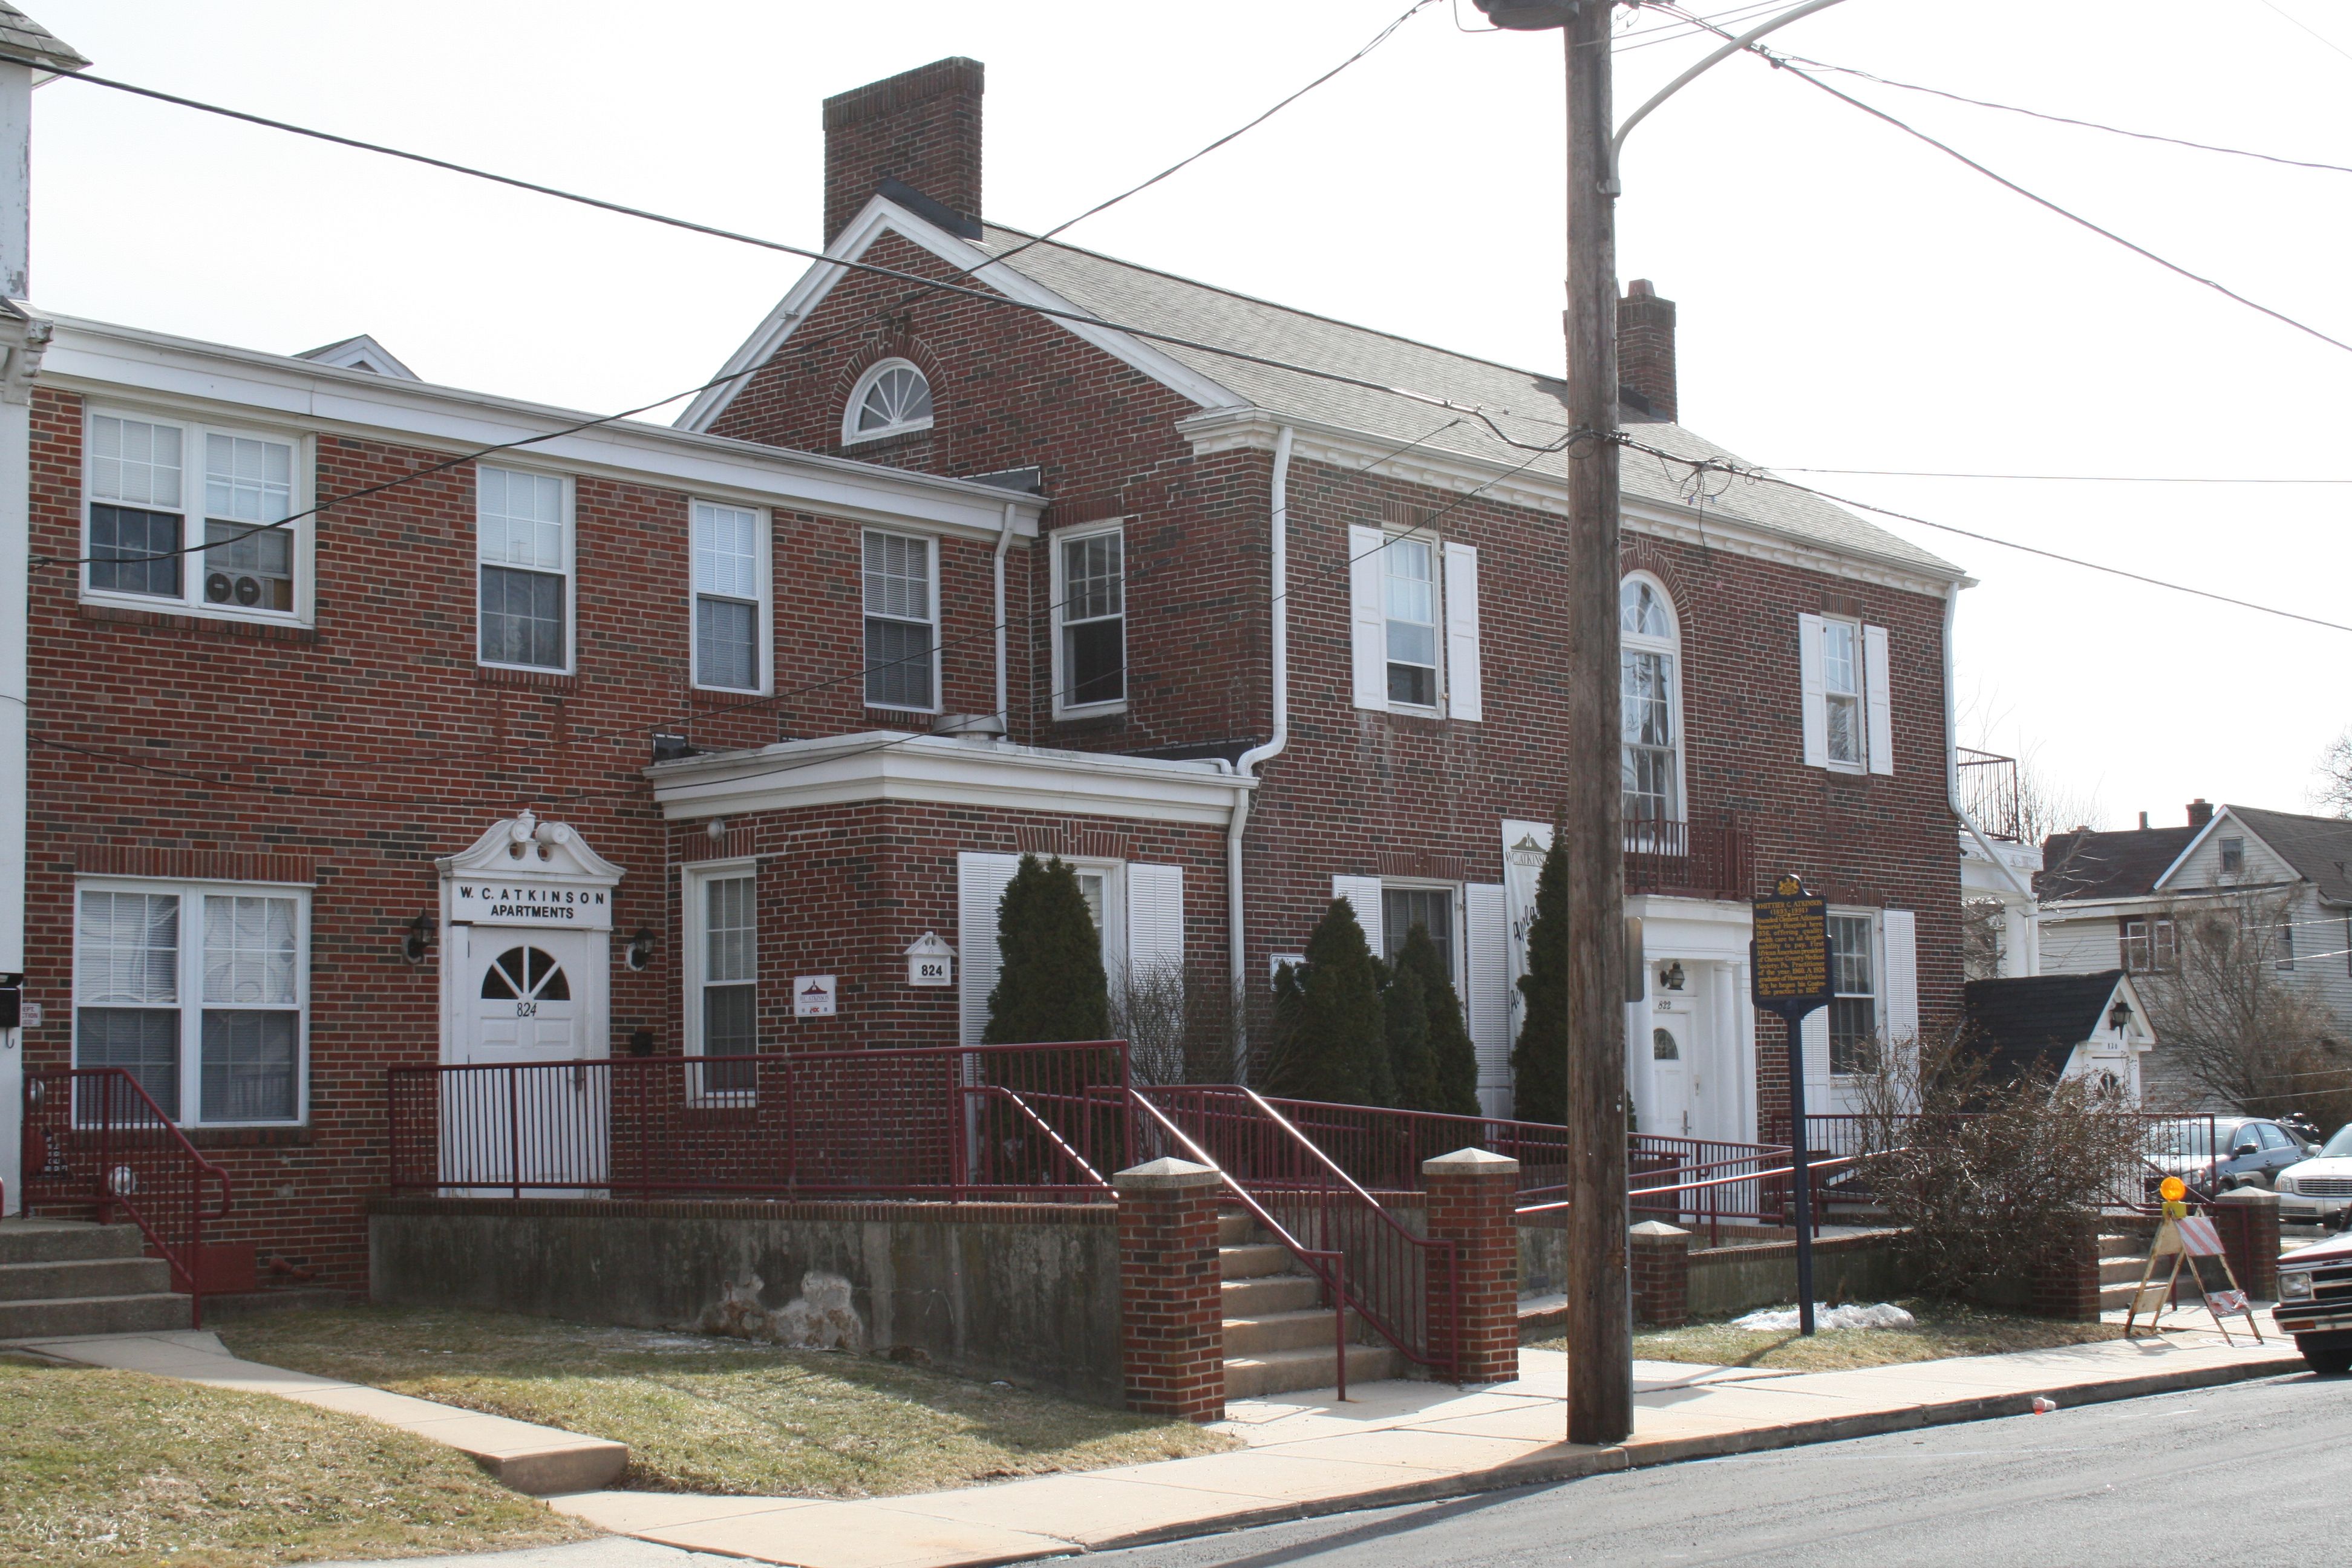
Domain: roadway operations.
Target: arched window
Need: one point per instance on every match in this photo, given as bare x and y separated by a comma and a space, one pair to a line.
890, 399
1651, 703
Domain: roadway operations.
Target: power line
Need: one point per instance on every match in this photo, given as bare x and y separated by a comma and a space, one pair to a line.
1714, 464
2311, 30
2056, 478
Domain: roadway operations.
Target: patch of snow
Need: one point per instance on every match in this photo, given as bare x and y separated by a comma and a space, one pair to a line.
1781, 1320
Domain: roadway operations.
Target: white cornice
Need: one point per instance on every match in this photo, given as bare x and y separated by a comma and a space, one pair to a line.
101, 359
882, 216
883, 765
1223, 431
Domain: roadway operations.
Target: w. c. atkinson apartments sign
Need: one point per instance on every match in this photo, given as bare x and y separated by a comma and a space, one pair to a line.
522, 904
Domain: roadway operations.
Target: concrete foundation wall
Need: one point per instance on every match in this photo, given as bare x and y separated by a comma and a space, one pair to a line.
1025, 1292
1725, 1281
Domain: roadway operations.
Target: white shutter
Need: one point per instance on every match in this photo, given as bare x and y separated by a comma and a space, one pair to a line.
1363, 894
1808, 680
980, 882
1487, 983
1155, 918
1878, 697
1368, 617
1462, 699
1815, 1038
1900, 932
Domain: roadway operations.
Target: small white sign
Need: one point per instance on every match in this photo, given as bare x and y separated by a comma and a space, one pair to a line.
1274, 965
501, 903
813, 996
929, 960
32, 1011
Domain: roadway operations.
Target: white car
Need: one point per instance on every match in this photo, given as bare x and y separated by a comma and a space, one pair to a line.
2320, 1187
2314, 1301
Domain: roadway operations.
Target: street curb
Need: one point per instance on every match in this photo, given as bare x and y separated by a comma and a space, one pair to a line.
1577, 1464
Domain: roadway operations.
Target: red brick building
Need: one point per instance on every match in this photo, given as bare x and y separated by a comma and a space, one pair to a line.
687, 740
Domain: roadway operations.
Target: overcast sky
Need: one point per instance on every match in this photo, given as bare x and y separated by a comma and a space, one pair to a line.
1849, 296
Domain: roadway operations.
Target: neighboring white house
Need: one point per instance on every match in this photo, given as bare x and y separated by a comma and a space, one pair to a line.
2070, 1025
2002, 935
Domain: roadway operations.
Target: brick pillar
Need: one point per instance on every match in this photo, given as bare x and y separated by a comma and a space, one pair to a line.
2064, 1279
1472, 1202
2252, 1240
1171, 1289
1661, 1263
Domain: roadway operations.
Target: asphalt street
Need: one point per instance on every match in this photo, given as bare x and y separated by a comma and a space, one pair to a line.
2250, 1473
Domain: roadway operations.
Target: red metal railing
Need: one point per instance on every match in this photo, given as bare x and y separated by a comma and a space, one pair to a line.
93, 1136
2181, 1145
1383, 1149
1396, 1282
1689, 1182
1010, 1122
1699, 860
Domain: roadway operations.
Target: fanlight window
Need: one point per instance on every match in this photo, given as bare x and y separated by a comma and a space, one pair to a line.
525, 974
891, 398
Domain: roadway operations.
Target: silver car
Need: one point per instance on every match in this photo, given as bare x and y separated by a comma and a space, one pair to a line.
2318, 1188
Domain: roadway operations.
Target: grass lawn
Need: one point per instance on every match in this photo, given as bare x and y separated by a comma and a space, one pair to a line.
1944, 1329
707, 1415
117, 1468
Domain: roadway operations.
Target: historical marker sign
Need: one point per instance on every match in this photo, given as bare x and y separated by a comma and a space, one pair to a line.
1789, 973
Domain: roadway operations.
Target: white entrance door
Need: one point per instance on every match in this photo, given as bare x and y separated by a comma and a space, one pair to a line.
1670, 1069
528, 1109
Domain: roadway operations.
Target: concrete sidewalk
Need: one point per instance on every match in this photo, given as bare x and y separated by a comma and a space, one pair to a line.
1411, 1442
528, 1457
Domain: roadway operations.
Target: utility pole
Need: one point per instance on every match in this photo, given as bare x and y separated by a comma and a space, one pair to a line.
1599, 1308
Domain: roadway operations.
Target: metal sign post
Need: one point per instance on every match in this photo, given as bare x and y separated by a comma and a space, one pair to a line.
1789, 973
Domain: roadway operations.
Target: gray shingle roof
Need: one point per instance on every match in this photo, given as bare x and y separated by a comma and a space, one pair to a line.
1525, 405
2123, 864
2034, 1022
22, 38
2320, 847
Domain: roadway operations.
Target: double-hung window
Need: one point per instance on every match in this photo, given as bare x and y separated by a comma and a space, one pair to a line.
1841, 690
1844, 671
731, 578
901, 625
1413, 604
1854, 996
1090, 596
2149, 944
1409, 589
1431, 909
1650, 762
189, 516
722, 917
199, 990
522, 527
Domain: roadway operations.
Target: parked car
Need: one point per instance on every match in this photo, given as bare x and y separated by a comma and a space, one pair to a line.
2319, 1188
2242, 1152
2315, 1302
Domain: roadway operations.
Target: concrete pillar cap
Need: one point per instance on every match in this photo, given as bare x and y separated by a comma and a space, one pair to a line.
1655, 1227
1470, 1162
2246, 1196
1160, 1175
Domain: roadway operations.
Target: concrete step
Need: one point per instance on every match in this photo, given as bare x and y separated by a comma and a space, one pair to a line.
67, 1241
77, 1315
2115, 1270
1238, 1227
2123, 1246
1282, 1371
1271, 1293
1302, 1330
85, 1277
1255, 1260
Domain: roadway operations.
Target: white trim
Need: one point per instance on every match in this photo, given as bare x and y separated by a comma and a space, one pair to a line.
883, 764
204, 381
881, 215
932, 566
1058, 580
569, 492
693, 922
852, 435
763, 637
302, 553
189, 983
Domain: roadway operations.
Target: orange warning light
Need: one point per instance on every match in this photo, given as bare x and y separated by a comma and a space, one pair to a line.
2172, 1189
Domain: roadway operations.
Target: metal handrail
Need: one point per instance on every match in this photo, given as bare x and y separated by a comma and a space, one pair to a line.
998, 1091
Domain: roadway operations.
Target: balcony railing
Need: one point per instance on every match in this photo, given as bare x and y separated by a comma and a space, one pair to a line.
1705, 860
1989, 790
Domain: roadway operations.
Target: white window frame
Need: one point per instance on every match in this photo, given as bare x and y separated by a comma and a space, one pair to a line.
763, 529
1672, 649
1113, 930
571, 571
1878, 998
1071, 534
301, 555
1860, 696
191, 982
852, 435
1437, 622
931, 546
1454, 586
1457, 934
694, 883
1873, 698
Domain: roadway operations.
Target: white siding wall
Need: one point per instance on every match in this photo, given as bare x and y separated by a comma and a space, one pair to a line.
2085, 945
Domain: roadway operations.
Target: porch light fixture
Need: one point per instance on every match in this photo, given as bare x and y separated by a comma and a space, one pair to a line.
640, 951
2119, 1016
419, 940
1671, 976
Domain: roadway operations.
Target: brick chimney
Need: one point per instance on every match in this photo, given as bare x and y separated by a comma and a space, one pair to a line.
922, 128
1645, 352
2200, 812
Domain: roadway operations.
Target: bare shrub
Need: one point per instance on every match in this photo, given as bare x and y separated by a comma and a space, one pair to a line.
1180, 1024
2240, 1025
1985, 1173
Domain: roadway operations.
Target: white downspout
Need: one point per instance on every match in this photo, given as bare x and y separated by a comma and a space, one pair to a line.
1279, 522
1952, 791
1003, 698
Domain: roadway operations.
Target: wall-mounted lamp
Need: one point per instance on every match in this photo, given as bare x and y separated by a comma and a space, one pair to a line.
2119, 1016
640, 951
1671, 976
419, 940
641, 1042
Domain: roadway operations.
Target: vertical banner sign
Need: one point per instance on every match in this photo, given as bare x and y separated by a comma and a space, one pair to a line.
1788, 966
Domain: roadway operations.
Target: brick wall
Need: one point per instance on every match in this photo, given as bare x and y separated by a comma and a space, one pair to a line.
921, 126
1171, 1312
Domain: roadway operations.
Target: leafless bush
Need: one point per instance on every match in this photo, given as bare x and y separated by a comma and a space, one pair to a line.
1179, 1025
2240, 1025
1985, 1173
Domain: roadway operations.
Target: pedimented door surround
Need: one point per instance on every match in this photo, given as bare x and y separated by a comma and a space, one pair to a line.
536, 887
